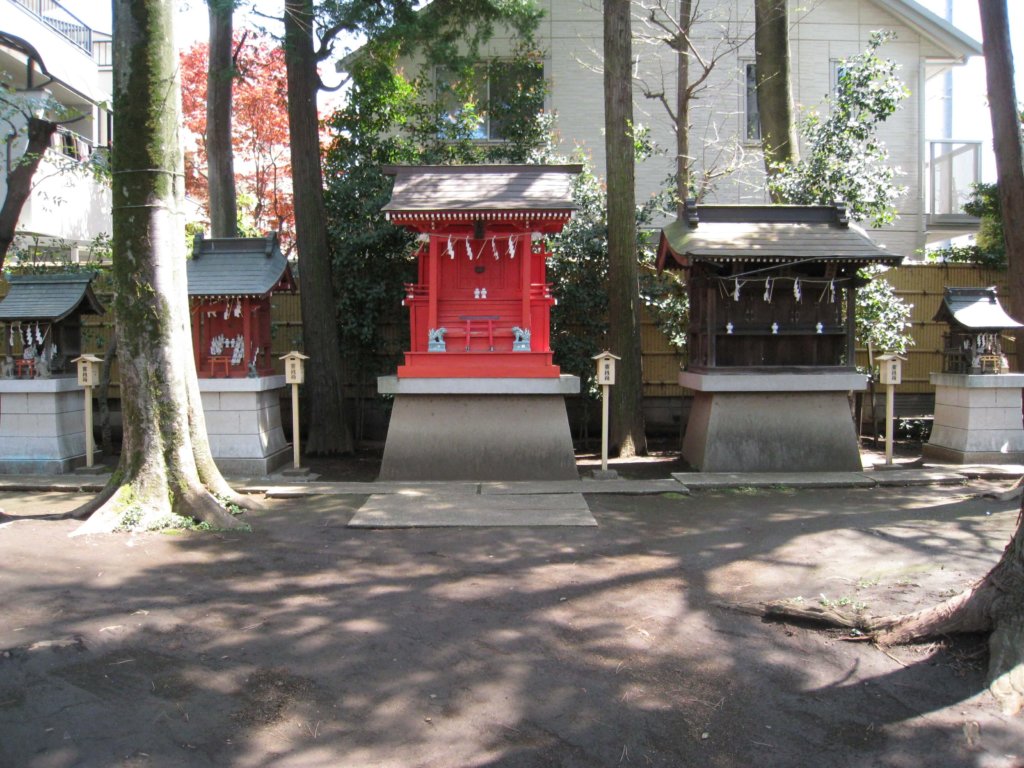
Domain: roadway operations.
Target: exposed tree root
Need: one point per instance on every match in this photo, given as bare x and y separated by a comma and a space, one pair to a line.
125, 507
995, 604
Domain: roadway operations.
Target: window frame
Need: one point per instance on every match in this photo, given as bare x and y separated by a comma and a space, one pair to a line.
483, 91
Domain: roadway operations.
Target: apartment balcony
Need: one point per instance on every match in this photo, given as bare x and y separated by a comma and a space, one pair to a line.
953, 167
70, 53
57, 17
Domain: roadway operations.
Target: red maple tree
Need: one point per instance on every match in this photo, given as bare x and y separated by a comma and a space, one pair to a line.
259, 134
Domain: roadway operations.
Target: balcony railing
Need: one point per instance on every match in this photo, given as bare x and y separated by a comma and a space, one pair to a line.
57, 17
953, 166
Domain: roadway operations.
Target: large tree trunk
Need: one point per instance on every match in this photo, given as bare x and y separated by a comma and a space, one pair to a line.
995, 30
219, 151
19, 180
164, 432
329, 431
684, 163
627, 417
774, 89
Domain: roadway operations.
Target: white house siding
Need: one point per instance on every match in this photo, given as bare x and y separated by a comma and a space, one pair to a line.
65, 206
823, 31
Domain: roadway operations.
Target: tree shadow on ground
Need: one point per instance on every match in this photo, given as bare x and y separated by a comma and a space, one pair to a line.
307, 643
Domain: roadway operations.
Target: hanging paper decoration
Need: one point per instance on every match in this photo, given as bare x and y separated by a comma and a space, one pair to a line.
28, 336
736, 285
10, 338
494, 248
39, 335
796, 289
511, 247
832, 291
239, 350
768, 290
451, 248
469, 250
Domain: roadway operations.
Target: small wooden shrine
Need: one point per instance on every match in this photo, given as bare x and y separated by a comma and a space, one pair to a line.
230, 282
771, 338
42, 430
977, 321
41, 321
977, 399
478, 397
481, 304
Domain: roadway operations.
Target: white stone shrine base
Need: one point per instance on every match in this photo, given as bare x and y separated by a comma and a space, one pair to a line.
479, 429
42, 426
243, 423
977, 419
771, 422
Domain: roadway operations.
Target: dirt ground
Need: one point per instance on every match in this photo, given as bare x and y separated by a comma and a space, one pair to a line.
305, 643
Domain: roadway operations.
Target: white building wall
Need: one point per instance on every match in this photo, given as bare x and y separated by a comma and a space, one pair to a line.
823, 31
67, 204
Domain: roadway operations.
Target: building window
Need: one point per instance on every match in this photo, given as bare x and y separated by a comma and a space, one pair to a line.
838, 67
751, 113
498, 94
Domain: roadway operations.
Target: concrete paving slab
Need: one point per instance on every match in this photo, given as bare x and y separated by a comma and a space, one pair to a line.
587, 485
988, 471
461, 510
70, 482
901, 477
633, 487
287, 491
711, 480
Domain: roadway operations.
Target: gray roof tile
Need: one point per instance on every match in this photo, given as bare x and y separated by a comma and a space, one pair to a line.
236, 266
49, 297
974, 308
482, 187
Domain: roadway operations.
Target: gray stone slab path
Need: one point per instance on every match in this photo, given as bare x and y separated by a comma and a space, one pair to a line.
440, 510
709, 480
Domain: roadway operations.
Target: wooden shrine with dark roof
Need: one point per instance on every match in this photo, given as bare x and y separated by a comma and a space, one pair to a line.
770, 286
772, 293
41, 320
230, 283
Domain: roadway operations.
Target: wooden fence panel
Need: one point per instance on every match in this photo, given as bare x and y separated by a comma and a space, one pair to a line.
919, 284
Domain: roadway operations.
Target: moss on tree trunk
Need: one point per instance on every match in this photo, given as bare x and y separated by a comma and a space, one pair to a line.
165, 467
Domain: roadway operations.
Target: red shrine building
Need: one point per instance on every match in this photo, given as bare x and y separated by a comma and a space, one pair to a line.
478, 396
481, 304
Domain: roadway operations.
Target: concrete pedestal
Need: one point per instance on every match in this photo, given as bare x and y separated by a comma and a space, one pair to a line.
479, 429
42, 426
771, 422
977, 419
243, 422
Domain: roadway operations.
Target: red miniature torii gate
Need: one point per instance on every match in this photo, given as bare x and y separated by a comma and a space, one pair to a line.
481, 305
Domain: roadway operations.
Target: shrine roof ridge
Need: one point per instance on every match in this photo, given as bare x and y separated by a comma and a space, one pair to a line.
238, 266
450, 188
790, 233
50, 297
976, 309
